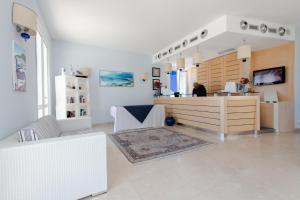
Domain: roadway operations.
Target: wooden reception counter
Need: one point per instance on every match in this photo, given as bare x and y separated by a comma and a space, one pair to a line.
225, 115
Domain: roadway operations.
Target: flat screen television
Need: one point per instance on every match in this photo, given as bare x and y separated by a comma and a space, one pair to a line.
269, 76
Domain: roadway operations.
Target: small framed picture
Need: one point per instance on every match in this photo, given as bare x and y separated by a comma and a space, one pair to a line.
156, 84
155, 72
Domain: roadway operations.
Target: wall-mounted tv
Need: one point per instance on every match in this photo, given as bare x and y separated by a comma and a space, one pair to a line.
269, 76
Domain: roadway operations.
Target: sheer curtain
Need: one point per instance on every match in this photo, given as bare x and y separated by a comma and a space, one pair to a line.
182, 82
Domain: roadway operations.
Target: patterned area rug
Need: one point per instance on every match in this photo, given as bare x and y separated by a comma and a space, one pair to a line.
145, 144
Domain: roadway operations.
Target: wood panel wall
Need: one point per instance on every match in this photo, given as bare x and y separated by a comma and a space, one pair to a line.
214, 73
275, 57
283, 55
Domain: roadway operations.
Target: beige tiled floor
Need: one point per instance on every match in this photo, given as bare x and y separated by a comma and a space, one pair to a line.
263, 168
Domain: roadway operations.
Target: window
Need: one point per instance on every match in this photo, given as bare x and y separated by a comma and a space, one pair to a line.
42, 77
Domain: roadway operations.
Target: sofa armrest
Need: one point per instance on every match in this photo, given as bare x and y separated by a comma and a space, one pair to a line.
70, 167
67, 125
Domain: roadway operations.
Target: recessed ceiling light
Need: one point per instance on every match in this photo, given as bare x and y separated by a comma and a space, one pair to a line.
263, 28
244, 25
281, 31
204, 33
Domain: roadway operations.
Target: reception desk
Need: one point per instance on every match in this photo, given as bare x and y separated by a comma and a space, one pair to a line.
225, 115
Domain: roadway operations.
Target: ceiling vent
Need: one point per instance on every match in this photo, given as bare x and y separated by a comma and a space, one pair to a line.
253, 27
193, 39
177, 47
272, 30
165, 53
226, 51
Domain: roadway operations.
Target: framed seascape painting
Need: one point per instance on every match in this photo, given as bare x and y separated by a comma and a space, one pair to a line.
155, 72
19, 68
116, 79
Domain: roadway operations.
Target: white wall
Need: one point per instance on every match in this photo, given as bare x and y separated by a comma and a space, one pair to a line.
297, 78
65, 54
17, 108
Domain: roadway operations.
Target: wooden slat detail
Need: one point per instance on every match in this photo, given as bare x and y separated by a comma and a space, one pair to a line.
197, 113
250, 115
245, 109
233, 77
203, 120
215, 61
216, 77
241, 122
236, 129
194, 108
193, 102
235, 68
200, 125
216, 87
233, 71
230, 57
232, 64
234, 103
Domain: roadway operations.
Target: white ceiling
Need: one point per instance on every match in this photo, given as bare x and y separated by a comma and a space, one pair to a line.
146, 26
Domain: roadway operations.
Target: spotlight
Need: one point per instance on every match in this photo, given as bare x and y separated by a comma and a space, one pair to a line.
204, 33
159, 56
281, 31
184, 43
244, 25
263, 28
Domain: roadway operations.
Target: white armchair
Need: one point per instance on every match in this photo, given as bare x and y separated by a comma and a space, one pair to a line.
67, 167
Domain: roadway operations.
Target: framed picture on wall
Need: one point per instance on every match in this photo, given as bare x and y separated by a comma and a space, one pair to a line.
155, 84
116, 79
155, 72
19, 67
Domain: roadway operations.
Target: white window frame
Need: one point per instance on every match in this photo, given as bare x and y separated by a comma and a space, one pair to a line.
43, 77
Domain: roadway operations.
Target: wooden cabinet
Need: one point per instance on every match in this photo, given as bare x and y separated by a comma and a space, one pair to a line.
202, 75
213, 74
216, 74
232, 68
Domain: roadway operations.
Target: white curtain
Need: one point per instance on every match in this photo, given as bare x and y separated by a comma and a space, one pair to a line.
182, 82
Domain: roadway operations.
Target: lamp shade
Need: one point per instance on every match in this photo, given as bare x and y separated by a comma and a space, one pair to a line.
85, 71
180, 63
25, 18
244, 52
168, 67
197, 58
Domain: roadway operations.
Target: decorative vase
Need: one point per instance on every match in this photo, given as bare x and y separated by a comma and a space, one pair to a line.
170, 121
